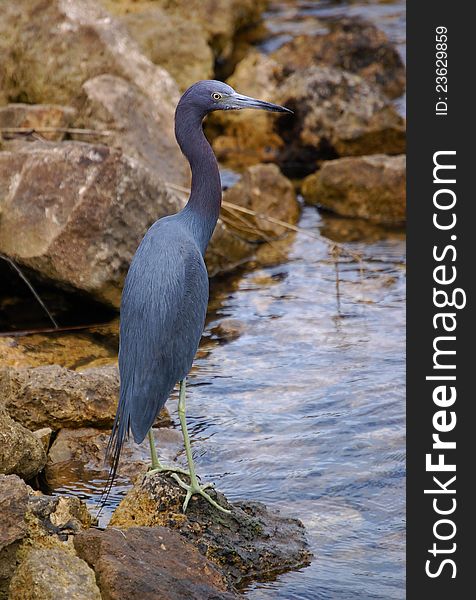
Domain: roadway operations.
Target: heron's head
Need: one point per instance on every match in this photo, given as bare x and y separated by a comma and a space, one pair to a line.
209, 95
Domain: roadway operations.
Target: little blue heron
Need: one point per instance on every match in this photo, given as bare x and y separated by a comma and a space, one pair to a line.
165, 296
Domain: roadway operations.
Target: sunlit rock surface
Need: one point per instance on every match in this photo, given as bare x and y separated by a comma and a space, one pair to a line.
75, 213
250, 543
369, 187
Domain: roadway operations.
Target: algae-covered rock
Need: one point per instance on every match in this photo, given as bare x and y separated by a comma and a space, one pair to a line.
149, 563
21, 452
251, 542
369, 187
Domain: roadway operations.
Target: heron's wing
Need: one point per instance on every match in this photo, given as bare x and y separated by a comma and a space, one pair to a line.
163, 311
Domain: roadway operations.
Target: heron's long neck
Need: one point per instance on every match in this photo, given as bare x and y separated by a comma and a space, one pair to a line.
203, 206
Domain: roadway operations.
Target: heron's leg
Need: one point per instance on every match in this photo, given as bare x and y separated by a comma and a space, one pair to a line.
194, 487
157, 466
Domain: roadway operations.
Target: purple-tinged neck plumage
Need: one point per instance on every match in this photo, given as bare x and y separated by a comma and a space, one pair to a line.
203, 207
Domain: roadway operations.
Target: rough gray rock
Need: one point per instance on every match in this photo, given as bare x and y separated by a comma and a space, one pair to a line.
250, 543
369, 187
81, 42
21, 452
149, 563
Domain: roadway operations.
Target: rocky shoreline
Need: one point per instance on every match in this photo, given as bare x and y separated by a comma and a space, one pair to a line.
88, 161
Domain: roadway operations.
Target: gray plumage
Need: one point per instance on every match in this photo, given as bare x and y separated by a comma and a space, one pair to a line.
165, 296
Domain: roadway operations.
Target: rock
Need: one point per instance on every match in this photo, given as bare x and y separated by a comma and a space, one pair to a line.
52, 396
13, 508
30, 519
248, 543
53, 573
66, 32
351, 44
370, 187
135, 124
157, 31
96, 347
228, 329
78, 455
75, 213
40, 117
226, 250
44, 436
149, 563
336, 114
21, 453
56, 397
264, 190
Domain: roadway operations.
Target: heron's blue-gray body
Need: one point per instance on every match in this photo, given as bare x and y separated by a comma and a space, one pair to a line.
165, 296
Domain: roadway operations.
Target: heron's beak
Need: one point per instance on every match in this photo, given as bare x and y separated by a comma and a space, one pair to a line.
237, 102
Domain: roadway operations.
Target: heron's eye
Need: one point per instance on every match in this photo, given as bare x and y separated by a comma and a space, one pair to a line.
217, 96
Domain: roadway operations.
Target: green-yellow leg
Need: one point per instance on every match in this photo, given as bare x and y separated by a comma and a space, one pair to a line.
194, 487
157, 466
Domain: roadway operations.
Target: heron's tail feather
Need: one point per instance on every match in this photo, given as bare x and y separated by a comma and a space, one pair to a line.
119, 433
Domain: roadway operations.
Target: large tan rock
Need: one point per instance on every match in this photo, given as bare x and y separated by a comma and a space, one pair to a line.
21, 452
56, 397
52, 396
370, 187
351, 44
264, 190
53, 573
75, 213
157, 31
143, 563
133, 122
81, 41
50, 50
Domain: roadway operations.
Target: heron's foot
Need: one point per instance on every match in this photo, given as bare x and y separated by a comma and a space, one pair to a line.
193, 489
160, 468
